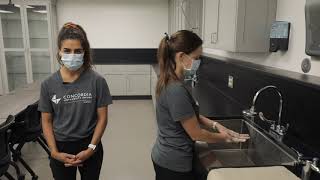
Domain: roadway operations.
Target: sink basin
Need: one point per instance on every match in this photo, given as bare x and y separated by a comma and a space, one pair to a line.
259, 150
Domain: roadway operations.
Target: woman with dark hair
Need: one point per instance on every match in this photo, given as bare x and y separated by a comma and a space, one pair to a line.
74, 104
177, 112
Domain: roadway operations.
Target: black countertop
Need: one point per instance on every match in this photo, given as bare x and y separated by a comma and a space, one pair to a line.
304, 79
233, 109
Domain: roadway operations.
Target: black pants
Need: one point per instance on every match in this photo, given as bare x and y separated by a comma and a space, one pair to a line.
167, 174
91, 167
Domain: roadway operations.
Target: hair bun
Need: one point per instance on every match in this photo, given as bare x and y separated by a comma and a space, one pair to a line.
167, 36
71, 25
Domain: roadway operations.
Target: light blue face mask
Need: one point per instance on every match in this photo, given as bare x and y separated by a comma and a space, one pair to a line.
72, 61
191, 72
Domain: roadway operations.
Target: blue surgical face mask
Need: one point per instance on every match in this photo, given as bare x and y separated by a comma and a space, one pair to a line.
72, 61
190, 72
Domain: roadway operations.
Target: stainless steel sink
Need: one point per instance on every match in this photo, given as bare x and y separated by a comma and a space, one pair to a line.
260, 150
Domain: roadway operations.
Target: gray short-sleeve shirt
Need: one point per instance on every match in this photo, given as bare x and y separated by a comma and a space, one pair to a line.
173, 148
74, 105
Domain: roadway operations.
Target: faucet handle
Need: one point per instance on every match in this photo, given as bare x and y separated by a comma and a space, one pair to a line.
263, 118
303, 159
315, 161
300, 155
314, 165
283, 129
253, 110
249, 113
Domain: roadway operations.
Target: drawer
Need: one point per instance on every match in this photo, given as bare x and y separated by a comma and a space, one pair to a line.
125, 69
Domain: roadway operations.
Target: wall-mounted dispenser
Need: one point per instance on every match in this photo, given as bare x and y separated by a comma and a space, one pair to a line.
306, 65
279, 36
312, 11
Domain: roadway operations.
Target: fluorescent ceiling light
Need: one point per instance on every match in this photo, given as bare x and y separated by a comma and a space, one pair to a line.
6, 12
18, 6
40, 11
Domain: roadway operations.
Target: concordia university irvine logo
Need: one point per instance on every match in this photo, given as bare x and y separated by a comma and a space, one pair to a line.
55, 100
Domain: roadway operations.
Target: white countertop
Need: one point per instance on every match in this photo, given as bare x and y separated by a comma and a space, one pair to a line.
16, 101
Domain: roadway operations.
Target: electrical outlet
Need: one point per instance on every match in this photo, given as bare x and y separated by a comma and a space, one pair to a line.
230, 82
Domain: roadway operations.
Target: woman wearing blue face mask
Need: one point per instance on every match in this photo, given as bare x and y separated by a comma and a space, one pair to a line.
74, 104
177, 113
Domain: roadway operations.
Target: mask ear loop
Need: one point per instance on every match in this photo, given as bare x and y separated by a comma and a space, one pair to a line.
194, 78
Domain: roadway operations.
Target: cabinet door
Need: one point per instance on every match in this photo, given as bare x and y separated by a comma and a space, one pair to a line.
210, 22
117, 84
125, 69
194, 16
138, 84
228, 13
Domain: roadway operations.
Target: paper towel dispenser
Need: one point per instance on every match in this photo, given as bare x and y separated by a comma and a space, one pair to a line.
279, 36
312, 13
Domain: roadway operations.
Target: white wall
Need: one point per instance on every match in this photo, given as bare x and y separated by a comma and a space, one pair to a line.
292, 11
118, 23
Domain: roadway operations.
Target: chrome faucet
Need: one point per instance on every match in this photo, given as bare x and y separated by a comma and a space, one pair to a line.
276, 129
309, 165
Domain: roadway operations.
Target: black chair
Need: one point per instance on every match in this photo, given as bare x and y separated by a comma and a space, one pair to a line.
27, 128
5, 154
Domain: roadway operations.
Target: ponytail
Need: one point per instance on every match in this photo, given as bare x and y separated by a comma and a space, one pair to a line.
167, 65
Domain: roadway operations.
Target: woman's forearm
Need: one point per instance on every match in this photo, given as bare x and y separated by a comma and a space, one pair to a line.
196, 133
47, 129
210, 137
102, 122
206, 122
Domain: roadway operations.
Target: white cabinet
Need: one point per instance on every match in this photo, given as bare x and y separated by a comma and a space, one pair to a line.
210, 22
138, 84
28, 31
127, 80
238, 25
117, 84
194, 16
185, 14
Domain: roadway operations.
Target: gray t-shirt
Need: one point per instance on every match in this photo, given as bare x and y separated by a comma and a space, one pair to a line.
173, 148
74, 105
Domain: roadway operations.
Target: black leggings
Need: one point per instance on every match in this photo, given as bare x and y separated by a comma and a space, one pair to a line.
91, 167
167, 174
